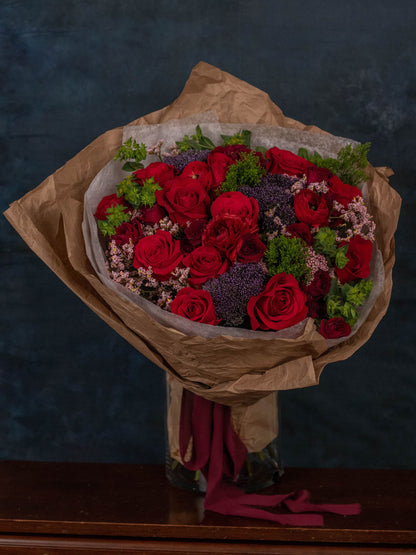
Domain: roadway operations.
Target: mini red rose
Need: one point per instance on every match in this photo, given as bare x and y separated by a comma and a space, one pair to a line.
252, 249
282, 304
226, 234
126, 232
284, 161
105, 203
342, 192
161, 252
311, 208
359, 255
235, 203
219, 164
205, 263
161, 173
302, 231
153, 214
196, 305
334, 328
201, 172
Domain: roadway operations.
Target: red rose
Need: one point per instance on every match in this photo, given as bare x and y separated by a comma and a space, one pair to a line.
316, 175
194, 230
226, 234
196, 305
302, 231
233, 151
320, 285
152, 215
235, 203
282, 304
205, 263
160, 251
342, 192
105, 203
160, 172
359, 255
219, 164
252, 249
311, 208
334, 328
316, 308
185, 199
201, 172
125, 232
284, 161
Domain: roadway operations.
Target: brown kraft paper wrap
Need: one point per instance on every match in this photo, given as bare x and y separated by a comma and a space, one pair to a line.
228, 370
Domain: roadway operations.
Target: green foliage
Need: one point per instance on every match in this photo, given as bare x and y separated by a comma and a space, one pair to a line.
349, 164
196, 142
246, 171
116, 215
357, 294
325, 242
287, 254
242, 137
343, 300
138, 194
341, 258
133, 154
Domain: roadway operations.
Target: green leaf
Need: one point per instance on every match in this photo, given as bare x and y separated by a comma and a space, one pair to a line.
325, 242
341, 258
132, 166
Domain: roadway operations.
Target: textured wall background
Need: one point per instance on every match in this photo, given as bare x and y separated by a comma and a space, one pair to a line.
70, 387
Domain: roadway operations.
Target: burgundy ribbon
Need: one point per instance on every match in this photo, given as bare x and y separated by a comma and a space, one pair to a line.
218, 452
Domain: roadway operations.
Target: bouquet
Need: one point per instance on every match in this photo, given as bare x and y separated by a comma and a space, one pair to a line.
232, 372
231, 236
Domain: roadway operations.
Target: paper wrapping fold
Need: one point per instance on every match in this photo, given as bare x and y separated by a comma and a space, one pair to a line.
225, 369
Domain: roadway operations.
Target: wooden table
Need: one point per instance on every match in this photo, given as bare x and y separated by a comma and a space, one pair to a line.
80, 508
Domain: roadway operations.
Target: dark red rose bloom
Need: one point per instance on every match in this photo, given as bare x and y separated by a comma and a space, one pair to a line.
235, 203
194, 231
226, 234
152, 215
284, 161
316, 175
233, 151
107, 202
359, 255
201, 172
127, 231
302, 231
205, 263
252, 249
334, 328
160, 172
196, 305
342, 192
316, 308
311, 208
160, 251
282, 304
320, 285
185, 199
219, 164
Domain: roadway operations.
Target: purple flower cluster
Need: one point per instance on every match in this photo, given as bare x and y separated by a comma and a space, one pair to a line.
179, 161
275, 200
232, 291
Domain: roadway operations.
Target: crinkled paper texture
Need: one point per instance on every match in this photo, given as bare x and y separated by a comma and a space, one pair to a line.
230, 370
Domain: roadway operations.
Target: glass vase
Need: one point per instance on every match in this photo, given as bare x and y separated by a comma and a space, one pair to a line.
257, 426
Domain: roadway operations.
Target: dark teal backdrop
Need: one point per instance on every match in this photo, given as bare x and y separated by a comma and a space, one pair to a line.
70, 387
